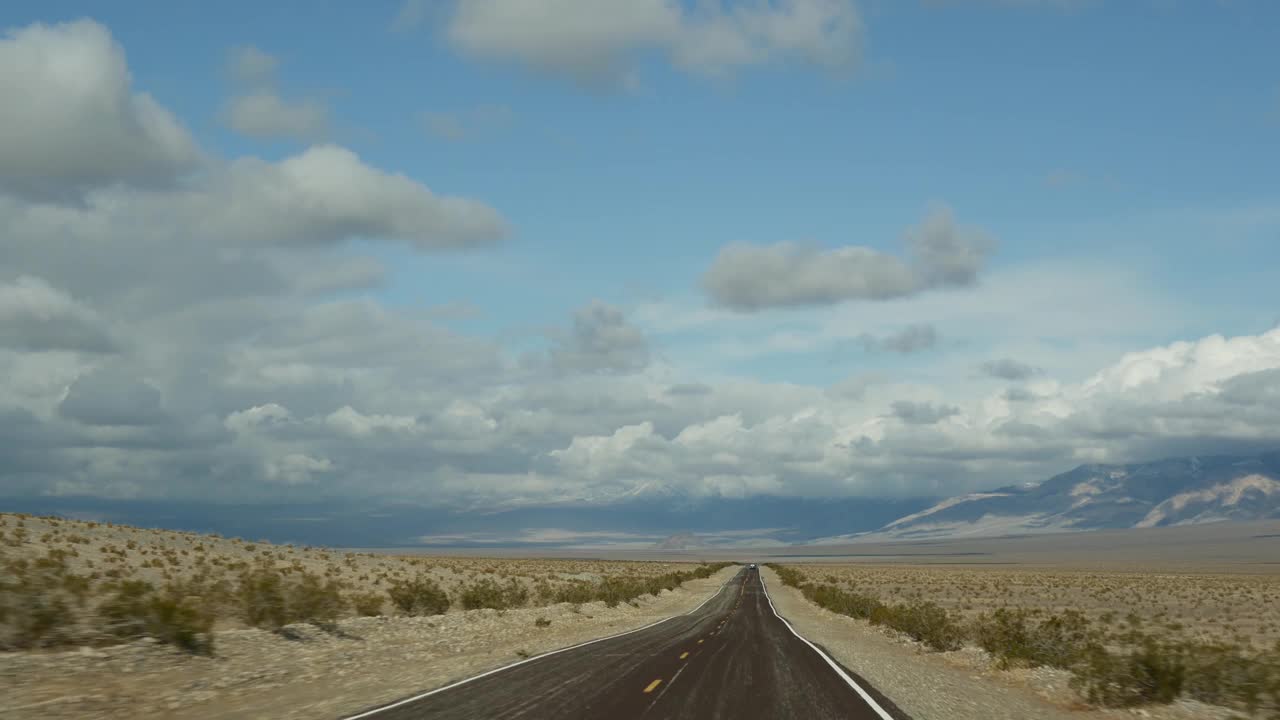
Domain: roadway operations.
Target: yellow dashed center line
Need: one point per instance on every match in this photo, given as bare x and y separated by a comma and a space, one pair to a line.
653, 685
700, 641
684, 655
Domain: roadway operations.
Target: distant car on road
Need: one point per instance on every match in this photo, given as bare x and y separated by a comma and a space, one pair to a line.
752, 566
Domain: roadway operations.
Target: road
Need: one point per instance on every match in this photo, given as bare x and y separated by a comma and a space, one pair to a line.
732, 657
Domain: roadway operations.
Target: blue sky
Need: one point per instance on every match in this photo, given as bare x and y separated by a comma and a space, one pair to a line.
1124, 157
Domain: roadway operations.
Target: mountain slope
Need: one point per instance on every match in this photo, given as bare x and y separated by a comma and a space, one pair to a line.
1179, 491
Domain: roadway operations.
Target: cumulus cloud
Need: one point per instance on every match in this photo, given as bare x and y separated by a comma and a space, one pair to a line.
941, 254
260, 111
596, 42
37, 317
296, 468
264, 114
320, 197
72, 121
207, 340
602, 340
1009, 369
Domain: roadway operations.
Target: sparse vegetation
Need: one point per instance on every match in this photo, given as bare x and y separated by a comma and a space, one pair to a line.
420, 596
1143, 660
71, 583
487, 593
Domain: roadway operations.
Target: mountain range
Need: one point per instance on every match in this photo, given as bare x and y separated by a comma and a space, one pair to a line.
1175, 491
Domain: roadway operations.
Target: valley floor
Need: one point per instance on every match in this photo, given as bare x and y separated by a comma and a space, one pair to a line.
306, 672
958, 685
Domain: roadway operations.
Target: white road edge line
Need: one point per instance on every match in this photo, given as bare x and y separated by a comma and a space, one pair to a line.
834, 666
429, 693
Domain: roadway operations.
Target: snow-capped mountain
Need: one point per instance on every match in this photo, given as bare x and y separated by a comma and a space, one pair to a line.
1179, 491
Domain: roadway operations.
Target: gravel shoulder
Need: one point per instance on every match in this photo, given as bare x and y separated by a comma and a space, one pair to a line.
306, 672
961, 685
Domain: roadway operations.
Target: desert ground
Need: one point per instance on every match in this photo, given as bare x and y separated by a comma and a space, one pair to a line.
102, 621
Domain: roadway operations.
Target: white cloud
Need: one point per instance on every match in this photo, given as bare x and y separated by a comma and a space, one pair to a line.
253, 66
351, 422
601, 340
940, 255
36, 317
320, 197
264, 114
594, 42
296, 469
71, 120
245, 364
260, 111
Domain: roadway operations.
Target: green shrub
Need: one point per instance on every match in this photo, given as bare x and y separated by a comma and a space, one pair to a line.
419, 596
789, 576
925, 622
487, 593
1153, 673
270, 600
262, 599
615, 590
37, 604
1061, 641
135, 609
309, 598
367, 604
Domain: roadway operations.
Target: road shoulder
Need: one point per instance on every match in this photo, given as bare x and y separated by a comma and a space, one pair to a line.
309, 673
938, 686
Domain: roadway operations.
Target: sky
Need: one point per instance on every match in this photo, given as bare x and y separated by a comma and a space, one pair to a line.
510, 253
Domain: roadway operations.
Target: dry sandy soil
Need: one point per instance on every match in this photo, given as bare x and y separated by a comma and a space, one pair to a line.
960, 685
302, 670
1194, 581
306, 672
1240, 608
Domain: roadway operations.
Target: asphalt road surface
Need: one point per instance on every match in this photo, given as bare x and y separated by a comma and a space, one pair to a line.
733, 658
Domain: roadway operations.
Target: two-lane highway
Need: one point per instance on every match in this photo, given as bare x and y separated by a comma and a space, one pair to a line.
733, 657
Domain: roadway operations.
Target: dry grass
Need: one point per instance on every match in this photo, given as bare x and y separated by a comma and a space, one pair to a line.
69, 582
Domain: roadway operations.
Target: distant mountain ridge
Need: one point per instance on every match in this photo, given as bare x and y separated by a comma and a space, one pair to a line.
1175, 491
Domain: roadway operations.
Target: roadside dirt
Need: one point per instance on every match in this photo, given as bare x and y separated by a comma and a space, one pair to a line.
306, 672
961, 685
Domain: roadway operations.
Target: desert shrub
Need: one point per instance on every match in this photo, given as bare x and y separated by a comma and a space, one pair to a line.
135, 609
37, 604
1155, 672
270, 600
789, 576
1060, 641
419, 596
614, 590
367, 604
488, 593
1223, 674
925, 622
262, 600
542, 622
308, 598
842, 601
576, 592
